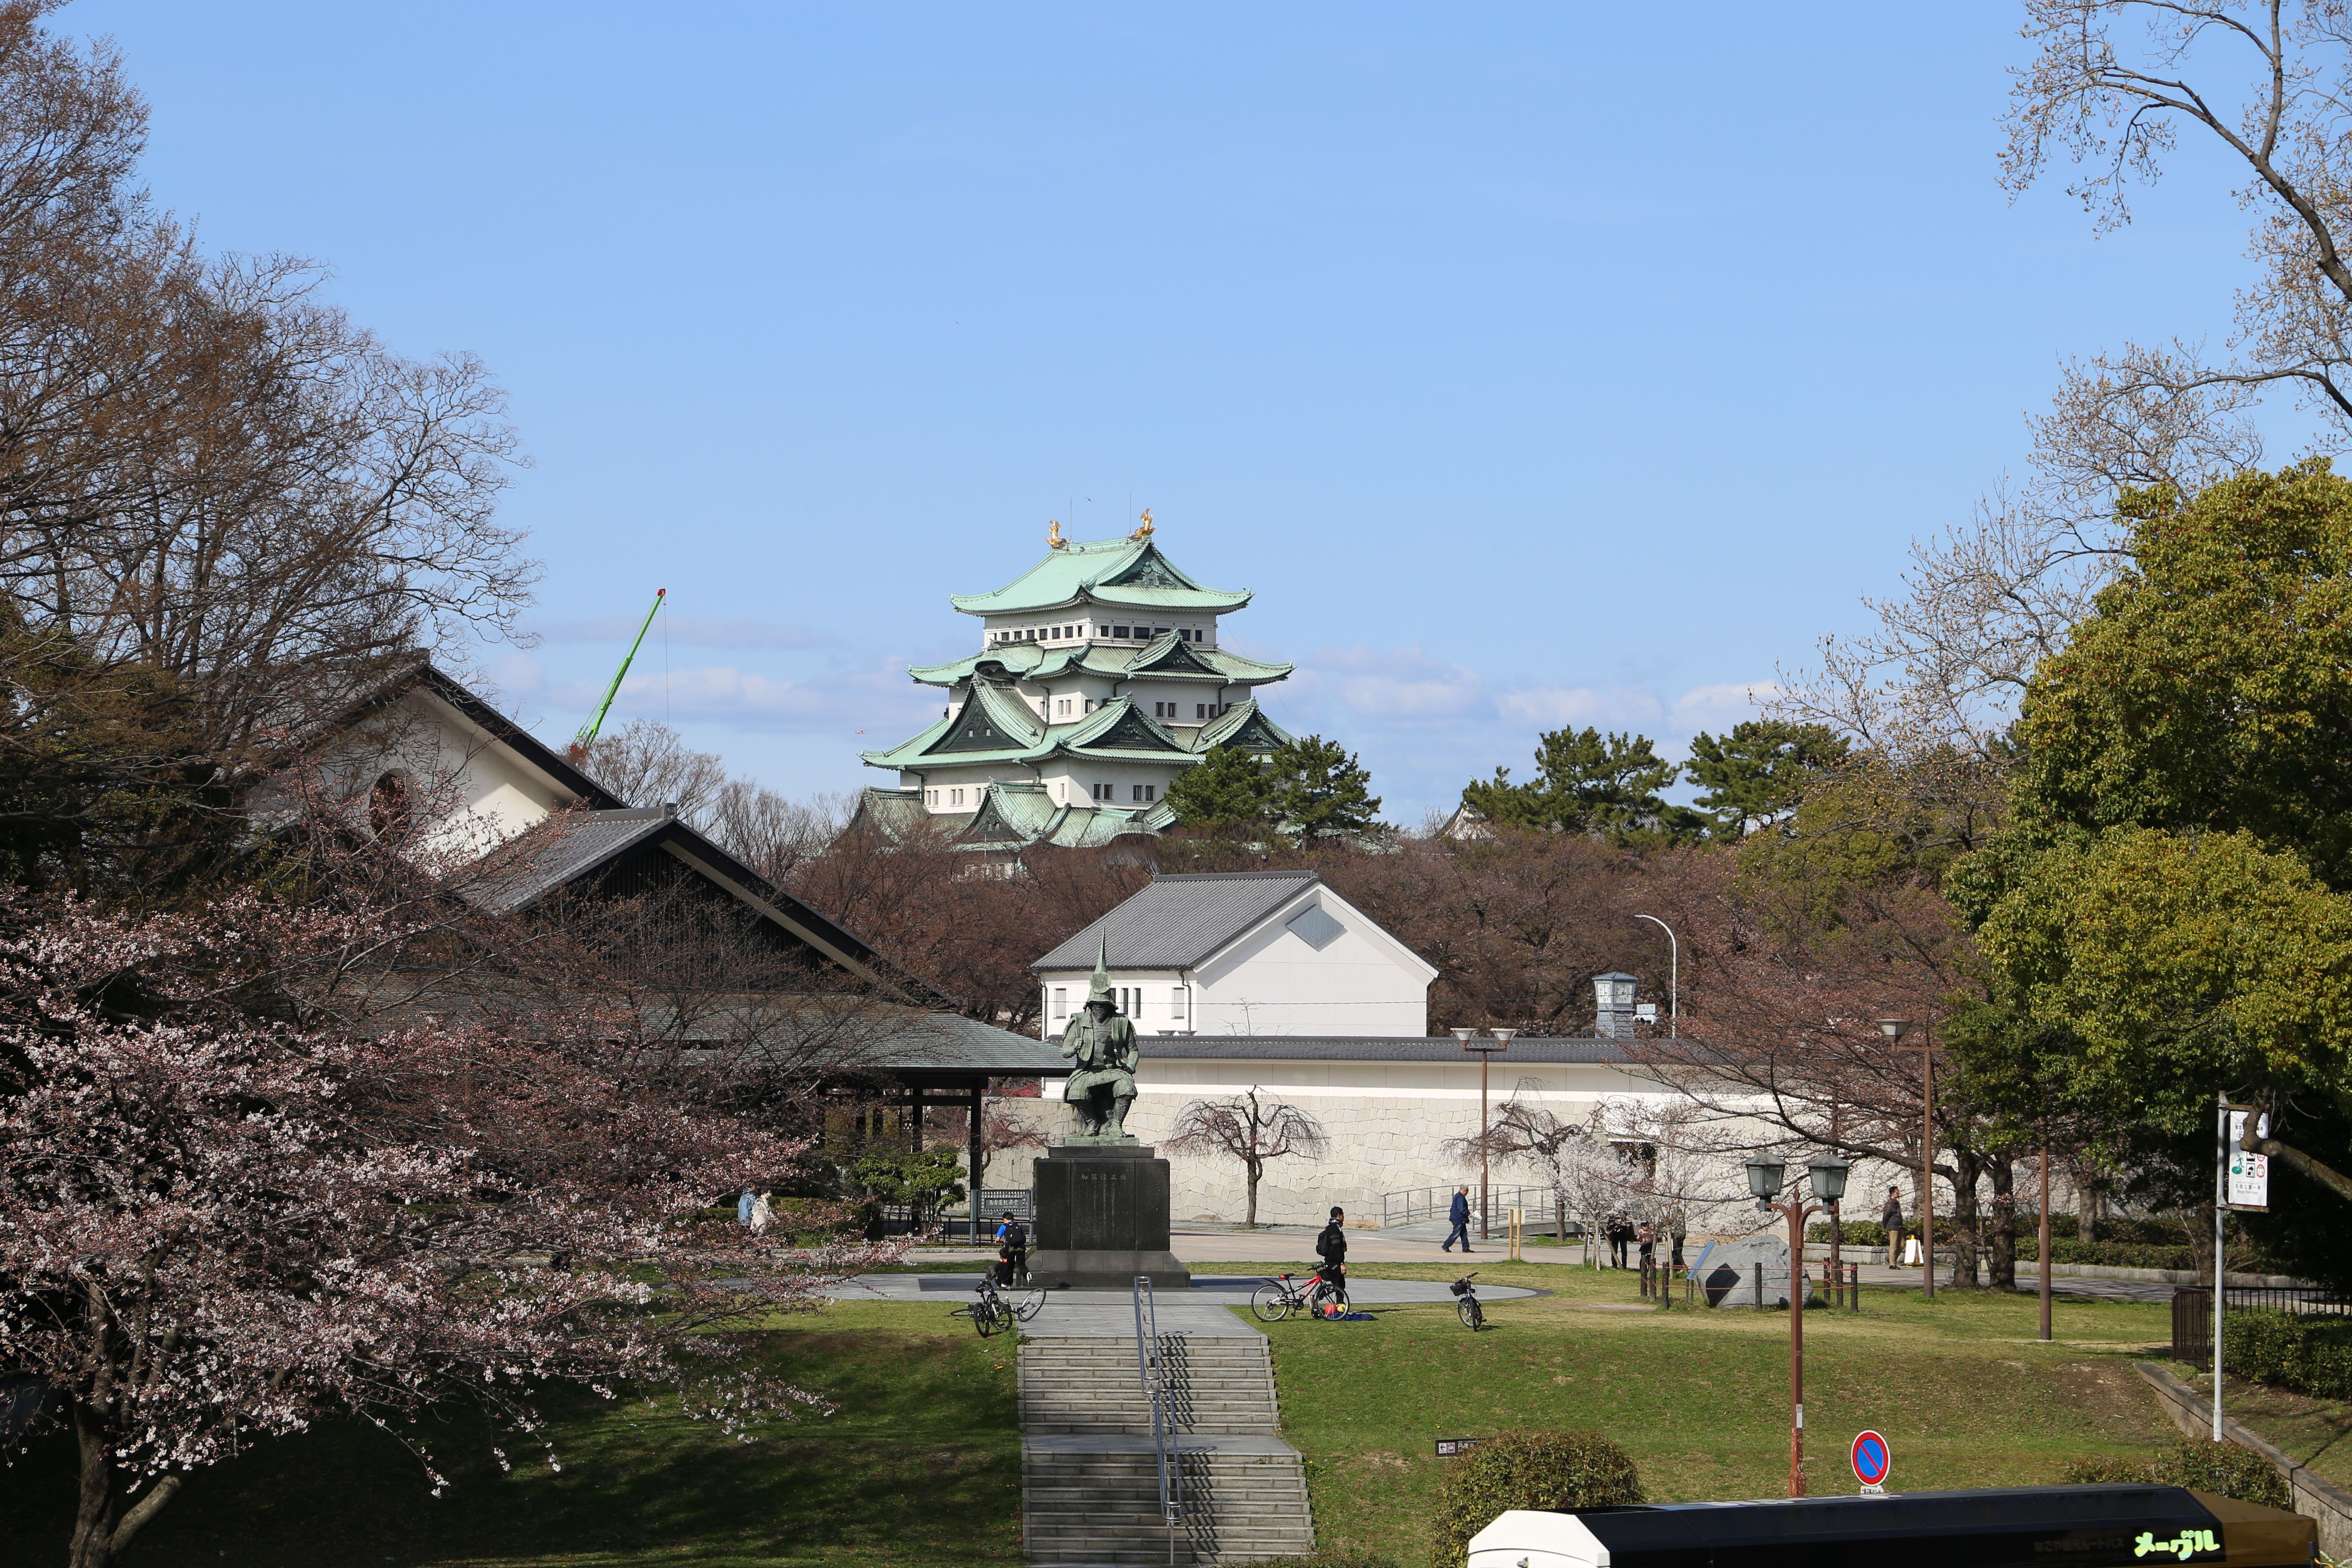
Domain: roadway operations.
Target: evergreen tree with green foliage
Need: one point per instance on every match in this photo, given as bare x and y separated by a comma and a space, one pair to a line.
1590, 783
1320, 791
1229, 787
2169, 908
1754, 777
1310, 788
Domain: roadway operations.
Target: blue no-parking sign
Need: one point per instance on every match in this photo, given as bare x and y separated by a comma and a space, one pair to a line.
1870, 1461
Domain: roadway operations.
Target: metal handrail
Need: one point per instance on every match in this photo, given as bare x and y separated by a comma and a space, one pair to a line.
1410, 1205
1148, 1371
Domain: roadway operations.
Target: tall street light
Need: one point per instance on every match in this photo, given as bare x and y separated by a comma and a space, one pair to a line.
1895, 1029
1470, 1042
1674, 977
1828, 1175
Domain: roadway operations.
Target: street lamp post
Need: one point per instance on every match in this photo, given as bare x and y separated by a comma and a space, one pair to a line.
1674, 977
1828, 1175
1895, 1029
1470, 1042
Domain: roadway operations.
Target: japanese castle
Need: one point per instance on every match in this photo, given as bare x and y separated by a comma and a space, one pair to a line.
1098, 679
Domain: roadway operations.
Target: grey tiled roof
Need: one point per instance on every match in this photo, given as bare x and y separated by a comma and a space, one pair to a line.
1377, 1048
1177, 922
943, 1042
540, 863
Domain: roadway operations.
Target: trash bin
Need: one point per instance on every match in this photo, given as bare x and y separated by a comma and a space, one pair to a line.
2004, 1527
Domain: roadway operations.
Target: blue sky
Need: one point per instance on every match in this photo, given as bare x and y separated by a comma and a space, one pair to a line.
1533, 364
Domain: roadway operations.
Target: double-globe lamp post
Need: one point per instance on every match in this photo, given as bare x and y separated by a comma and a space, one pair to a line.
1486, 1049
1828, 1175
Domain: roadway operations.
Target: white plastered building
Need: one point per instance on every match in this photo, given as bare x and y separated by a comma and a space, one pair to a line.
1271, 981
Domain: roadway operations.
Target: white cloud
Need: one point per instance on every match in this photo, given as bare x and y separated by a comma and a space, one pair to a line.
693, 631
1400, 685
1718, 708
1607, 707
881, 702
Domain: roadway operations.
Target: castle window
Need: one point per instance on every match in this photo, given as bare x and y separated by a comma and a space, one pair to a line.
1061, 1003
388, 806
1119, 631
1147, 792
1200, 710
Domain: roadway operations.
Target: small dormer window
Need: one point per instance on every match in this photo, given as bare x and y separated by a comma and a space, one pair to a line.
389, 805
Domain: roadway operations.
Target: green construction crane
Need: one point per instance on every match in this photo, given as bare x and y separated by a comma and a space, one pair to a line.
587, 736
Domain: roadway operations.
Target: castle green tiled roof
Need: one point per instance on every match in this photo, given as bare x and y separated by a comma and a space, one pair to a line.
996, 726
1011, 817
1034, 661
1123, 571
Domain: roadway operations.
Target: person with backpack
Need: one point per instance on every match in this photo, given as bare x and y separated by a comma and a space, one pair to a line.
1331, 1247
1458, 1214
1012, 1251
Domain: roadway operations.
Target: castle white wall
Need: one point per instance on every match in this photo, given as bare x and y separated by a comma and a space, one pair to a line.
1273, 981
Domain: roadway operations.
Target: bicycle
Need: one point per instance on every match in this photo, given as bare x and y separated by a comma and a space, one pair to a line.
1279, 1297
992, 1313
1466, 1304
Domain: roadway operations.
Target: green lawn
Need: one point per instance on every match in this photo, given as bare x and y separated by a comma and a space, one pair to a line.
922, 1466
1962, 1391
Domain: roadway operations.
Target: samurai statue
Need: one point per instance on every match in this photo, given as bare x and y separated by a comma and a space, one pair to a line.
1102, 1044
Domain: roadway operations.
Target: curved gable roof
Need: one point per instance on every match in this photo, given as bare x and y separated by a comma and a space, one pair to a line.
1130, 571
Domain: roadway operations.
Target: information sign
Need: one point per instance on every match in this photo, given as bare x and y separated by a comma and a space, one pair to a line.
1447, 1447
995, 1203
1871, 1462
2250, 1174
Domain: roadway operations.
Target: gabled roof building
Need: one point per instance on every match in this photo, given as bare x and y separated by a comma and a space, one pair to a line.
1098, 679
1242, 953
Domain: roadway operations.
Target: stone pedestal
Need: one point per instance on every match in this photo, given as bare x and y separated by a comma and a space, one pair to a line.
1102, 1219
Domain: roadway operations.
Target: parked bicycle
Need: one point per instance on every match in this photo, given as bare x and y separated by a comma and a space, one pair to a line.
992, 1312
1466, 1302
1285, 1294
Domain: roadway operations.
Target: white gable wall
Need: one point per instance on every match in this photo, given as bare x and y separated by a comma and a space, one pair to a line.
477, 791
1271, 981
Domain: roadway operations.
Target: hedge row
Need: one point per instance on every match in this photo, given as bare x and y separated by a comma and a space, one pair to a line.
2116, 1253
2232, 1469
2305, 1354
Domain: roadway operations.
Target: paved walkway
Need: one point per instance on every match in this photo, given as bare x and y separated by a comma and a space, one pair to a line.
1204, 1311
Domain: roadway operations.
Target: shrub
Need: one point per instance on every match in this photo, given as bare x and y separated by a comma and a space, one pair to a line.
2114, 1253
2231, 1469
1529, 1468
2308, 1355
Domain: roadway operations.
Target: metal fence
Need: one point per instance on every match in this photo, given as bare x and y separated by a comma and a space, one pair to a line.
1415, 1205
2192, 1310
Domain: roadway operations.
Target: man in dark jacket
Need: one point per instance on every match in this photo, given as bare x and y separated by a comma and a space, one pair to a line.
1890, 1219
1459, 1214
1331, 1247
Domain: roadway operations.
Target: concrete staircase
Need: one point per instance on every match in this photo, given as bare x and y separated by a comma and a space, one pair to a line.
1088, 1384
1090, 1481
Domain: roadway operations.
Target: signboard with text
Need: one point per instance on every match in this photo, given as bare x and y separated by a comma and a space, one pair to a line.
1447, 1447
2250, 1173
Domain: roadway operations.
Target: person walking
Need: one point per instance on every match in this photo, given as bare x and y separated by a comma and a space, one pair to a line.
1013, 1250
1618, 1234
1648, 1238
764, 1213
1331, 1247
1457, 1212
1890, 1219
743, 1207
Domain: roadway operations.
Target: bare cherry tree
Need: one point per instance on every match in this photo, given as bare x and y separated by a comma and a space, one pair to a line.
1253, 1132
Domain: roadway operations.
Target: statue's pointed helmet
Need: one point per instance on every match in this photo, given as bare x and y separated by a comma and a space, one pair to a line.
1101, 992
